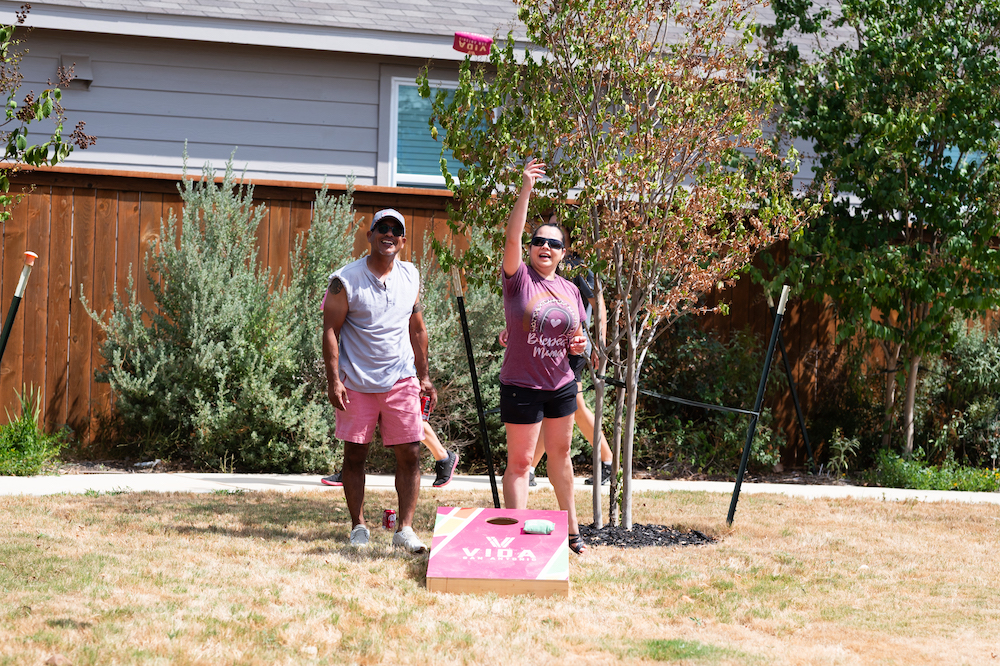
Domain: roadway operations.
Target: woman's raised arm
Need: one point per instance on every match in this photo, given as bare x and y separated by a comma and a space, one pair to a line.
519, 217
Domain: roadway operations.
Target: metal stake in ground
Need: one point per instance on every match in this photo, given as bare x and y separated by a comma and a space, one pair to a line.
29, 261
752, 429
459, 296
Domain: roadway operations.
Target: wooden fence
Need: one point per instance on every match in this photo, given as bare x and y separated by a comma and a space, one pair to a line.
91, 230
808, 333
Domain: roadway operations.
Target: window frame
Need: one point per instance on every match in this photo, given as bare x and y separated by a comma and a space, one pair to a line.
411, 180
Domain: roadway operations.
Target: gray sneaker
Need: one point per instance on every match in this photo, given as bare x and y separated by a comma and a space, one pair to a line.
445, 469
406, 538
360, 536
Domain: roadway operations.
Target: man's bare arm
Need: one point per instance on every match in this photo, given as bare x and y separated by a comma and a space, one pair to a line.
419, 340
334, 315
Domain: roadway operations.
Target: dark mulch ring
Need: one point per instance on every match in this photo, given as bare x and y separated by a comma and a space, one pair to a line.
642, 536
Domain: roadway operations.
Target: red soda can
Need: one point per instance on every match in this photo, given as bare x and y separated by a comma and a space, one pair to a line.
389, 519
425, 407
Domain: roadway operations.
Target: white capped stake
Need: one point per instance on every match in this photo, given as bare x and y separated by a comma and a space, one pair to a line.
29, 261
784, 300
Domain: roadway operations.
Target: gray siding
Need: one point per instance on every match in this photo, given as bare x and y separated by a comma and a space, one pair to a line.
289, 114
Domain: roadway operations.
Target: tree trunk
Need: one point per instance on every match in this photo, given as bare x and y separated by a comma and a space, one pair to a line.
599, 344
599, 394
911, 397
614, 509
889, 398
631, 392
598, 428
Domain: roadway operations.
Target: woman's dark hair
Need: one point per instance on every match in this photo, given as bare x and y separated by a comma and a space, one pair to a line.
545, 220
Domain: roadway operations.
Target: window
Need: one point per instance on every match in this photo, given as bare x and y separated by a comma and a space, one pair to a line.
414, 155
972, 158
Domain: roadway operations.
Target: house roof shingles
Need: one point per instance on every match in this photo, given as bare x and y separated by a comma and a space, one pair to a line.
417, 17
415, 28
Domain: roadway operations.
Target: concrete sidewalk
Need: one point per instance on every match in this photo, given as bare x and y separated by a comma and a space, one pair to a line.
218, 482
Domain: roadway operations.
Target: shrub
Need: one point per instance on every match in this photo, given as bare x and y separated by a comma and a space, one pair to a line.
894, 471
842, 452
222, 371
26, 450
693, 364
956, 411
850, 411
455, 418
961, 391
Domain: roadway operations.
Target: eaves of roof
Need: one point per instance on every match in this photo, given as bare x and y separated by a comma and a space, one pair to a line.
408, 28
420, 29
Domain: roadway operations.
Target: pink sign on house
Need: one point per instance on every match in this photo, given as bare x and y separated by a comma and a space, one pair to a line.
467, 42
487, 550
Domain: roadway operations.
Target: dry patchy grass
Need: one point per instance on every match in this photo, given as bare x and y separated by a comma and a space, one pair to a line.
268, 578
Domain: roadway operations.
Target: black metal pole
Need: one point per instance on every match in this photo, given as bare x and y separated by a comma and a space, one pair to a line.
475, 389
752, 428
9, 323
29, 261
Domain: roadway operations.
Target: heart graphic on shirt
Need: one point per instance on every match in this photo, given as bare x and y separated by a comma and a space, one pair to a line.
556, 322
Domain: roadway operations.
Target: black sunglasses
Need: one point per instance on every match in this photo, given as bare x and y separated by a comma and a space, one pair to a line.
384, 227
554, 243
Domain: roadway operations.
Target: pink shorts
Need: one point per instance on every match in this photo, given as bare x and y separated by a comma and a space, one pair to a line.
397, 410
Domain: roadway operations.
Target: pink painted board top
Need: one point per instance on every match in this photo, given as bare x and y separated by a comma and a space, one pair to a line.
491, 543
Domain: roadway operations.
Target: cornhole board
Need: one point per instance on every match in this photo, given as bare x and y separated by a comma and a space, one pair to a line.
487, 550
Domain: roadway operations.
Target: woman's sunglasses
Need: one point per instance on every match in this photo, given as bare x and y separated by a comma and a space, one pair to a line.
554, 243
384, 227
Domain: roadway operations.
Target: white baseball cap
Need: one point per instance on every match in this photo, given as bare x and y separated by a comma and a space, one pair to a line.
388, 212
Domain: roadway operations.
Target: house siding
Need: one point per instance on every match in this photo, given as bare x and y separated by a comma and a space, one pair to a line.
288, 114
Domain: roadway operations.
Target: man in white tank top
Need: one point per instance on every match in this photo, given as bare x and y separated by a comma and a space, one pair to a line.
375, 351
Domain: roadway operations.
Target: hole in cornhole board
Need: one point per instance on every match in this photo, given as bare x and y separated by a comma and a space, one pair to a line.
502, 520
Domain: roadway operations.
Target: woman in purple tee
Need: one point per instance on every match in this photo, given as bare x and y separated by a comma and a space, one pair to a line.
543, 313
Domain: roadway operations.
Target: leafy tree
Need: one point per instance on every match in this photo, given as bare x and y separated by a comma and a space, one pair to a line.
645, 113
904, 116
24, 115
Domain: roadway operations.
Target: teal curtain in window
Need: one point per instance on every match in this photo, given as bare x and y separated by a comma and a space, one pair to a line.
417, 152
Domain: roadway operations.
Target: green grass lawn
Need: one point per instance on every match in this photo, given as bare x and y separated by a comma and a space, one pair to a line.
268, 578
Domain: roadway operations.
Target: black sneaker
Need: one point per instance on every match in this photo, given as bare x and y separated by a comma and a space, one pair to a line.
531, 479
444, 469
332, 480
605, 475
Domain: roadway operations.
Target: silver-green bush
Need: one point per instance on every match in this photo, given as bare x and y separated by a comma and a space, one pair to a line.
226, 369
456, 419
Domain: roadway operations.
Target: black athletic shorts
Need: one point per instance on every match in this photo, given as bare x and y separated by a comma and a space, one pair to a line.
577, 363
525, 405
